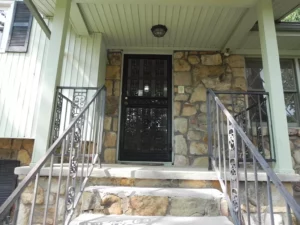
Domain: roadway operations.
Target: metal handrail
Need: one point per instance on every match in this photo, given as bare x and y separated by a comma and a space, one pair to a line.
34, 172
246, 110
78, 88
253, 118
243, 93
67, 99
271, 176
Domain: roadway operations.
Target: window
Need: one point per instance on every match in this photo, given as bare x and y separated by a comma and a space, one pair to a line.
255, 81
15, 26
293, 17
2, 22
4, 10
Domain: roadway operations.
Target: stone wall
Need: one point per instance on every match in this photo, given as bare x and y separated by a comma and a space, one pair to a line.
27, 199
295, 148
16, 149
113, 85
134, 202
95, 202
153, 202
196, 72
295, 152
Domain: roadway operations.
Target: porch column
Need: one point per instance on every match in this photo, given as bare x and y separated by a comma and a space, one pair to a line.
273, 82
51, 77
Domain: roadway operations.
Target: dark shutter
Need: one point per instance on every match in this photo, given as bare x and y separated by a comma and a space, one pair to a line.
20, 29
8, 179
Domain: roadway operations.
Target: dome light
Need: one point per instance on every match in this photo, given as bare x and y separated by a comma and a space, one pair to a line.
159, 30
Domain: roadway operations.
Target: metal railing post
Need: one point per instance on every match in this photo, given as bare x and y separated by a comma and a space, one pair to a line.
237, 135
66, 146
209, 124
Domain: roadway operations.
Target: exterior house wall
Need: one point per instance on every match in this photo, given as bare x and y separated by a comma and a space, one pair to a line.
81, 60
16, 149
20, 77
111, 123
196, 72
294, 134
84, 66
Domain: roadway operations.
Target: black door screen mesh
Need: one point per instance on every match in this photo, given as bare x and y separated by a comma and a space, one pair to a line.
146, 109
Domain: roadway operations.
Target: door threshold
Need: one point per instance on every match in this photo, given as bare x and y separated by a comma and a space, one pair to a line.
143, 163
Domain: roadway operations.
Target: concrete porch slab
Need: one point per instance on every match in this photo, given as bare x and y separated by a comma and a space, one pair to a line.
93, 219
154, 172
203, 193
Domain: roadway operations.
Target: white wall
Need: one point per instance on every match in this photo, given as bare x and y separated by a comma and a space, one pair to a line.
81, 62
20, 76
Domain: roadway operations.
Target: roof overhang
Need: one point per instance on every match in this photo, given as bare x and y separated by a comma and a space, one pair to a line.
192, 24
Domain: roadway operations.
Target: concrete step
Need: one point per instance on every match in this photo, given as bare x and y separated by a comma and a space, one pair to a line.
136, 201
148, 220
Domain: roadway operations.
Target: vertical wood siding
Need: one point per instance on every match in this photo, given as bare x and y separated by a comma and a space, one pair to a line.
20, 78
81, 60
20, 75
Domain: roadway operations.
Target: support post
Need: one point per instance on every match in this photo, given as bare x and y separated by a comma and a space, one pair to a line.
51, 77
273, 82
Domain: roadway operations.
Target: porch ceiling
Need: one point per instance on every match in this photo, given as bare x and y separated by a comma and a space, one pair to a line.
127, 24
188, 26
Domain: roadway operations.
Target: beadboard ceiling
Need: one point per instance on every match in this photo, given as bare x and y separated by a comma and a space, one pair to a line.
127, 25
188, 26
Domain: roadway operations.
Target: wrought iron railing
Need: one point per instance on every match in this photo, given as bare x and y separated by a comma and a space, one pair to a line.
252, 113
250, 187
69, 101
51, 191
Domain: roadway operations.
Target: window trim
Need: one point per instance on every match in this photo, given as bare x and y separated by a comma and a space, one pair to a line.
297, 73
7, 26
296, 65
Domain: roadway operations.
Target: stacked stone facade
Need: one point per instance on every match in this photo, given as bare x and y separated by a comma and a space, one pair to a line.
93, 201
295, 148
197, 72
111, 123
16, 149
109, 202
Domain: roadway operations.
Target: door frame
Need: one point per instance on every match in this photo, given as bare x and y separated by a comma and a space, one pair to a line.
171, 105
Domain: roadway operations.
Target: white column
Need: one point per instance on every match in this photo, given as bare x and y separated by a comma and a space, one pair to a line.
102, 63
273, 82
51, 77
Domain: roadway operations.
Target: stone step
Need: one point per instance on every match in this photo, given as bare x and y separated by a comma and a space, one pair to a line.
138, 201
147, 220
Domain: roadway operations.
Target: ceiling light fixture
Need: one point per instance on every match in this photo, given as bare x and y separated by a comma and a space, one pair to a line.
159, 30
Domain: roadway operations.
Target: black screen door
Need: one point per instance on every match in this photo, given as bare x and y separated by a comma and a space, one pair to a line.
146, 109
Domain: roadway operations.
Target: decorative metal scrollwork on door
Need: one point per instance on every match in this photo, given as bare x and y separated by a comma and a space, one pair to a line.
145, 123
